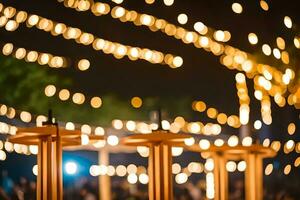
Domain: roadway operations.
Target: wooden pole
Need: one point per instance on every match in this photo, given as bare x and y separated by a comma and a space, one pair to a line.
253, 177
104, 180
220, 177
160, 172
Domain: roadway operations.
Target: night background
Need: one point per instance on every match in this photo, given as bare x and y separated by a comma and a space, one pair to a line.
174, 90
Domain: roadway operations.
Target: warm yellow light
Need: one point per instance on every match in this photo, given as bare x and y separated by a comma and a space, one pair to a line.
2, 155
168, 2
264, 5
182, 18
136, 102
181, 178
83, 64
219, 35
176, 168
244, 113
247, 66
288, 22
212, 113
268, 169
117, 124
280, 43
219, 142
7, 49
297, 42
64, 94
210, 186
20, 53
85, 139
204, 144
177, 61
266, 142
257, 124
32, 56
143, 178
177, 151
233, 141
247, 141
194, 127
43, 58
200, 28
96, 102
275, 145
131, 125
242, 166
25, 116
297, 162
237, 8
266, 49
291, 128
119, 12
33, 20
11, 25
189, 141
287, 169
132, 178
143, 151
118, 1
86, 129
252, 38
209, 164
240, 78
230, 166
78, 98
99, 131
113, 140
121, 170
70, 126
222, 118
35, 170
276, 53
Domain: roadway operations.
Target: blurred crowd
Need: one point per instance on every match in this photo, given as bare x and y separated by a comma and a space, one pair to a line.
87, 189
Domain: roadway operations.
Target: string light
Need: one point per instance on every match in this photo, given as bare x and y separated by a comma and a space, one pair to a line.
228, 53
33, 56
288, 22
237, 8
252, 37
264, 5
182, 18
84, 38
168, 2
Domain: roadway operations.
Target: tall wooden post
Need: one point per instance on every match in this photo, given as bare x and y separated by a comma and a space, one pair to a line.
220, 177
254, 177
104, 180
160, 160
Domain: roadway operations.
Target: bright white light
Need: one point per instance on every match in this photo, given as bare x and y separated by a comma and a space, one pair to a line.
113, 140
35, 170
71, 168
257, 124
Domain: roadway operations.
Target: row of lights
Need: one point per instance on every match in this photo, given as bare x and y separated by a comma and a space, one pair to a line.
192, 37
179, 124
34, 56
152, 22
213, 113
84, 38
79, 98
244, 100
